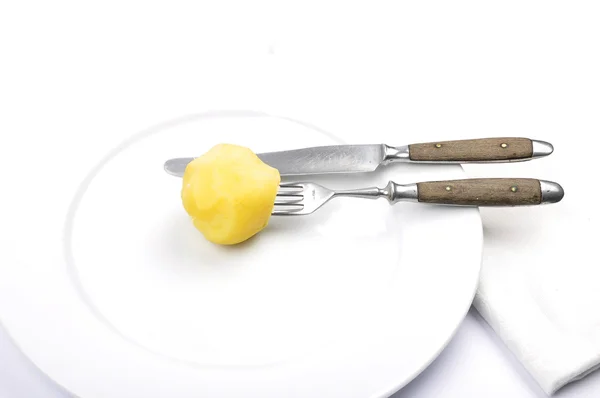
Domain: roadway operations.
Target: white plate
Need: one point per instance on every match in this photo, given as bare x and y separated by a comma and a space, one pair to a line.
353, 301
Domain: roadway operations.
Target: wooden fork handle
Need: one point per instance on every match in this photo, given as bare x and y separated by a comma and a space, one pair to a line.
490, 192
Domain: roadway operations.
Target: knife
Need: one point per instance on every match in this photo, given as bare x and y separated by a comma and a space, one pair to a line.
366, 158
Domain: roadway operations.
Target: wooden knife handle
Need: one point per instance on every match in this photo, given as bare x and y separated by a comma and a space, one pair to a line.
480, 150
490, 192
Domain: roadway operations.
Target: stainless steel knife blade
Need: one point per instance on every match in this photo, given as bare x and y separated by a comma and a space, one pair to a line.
315, 160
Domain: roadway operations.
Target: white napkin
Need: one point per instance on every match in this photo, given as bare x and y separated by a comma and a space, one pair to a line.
540, 280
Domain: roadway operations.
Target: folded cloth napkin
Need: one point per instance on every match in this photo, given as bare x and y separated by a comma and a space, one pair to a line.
540, 279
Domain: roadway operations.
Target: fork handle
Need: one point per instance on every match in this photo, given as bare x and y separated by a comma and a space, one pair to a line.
484, 192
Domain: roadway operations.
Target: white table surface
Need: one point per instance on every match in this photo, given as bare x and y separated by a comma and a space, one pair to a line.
449, 70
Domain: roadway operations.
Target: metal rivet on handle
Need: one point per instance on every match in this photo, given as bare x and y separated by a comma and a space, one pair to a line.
504, 145
438, 145
514, 189
448, 189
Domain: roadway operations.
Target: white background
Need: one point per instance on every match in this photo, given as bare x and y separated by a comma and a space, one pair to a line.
367, 71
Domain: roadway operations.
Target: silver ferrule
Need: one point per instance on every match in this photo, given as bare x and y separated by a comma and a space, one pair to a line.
551, 192
396, 192
541, 149
395, 154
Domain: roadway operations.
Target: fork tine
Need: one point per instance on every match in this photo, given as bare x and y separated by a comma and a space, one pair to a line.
288, 198
290, 203
289, 211
291, 186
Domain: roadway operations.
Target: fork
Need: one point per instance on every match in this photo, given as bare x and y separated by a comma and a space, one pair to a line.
301, 198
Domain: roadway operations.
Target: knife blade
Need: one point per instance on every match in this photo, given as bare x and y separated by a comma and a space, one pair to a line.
367, 158
315, 160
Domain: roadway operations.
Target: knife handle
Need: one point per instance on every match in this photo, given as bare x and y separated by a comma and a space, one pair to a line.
489, 192
481, 150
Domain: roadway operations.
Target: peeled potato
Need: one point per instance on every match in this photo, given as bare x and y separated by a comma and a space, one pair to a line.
229, 193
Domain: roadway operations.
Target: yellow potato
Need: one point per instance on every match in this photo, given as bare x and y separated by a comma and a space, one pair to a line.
229, 193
